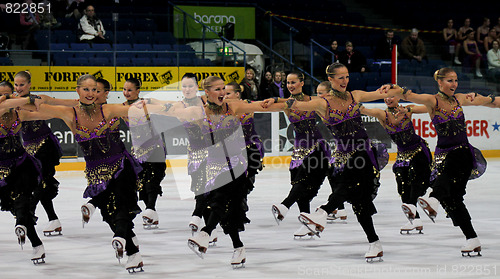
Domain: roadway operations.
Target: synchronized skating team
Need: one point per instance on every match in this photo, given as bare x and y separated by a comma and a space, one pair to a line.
225, 154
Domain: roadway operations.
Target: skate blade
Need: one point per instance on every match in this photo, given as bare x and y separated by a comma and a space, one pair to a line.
308, 223
150, 226
238, 265
199, 251
55, 232
428, 210
304, 237
39, 260
212, 243
374, 259
408, 214
473, 253
136, 269
277, 216
407, 232
21, 237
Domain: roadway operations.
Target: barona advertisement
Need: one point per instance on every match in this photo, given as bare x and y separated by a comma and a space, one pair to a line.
215, 18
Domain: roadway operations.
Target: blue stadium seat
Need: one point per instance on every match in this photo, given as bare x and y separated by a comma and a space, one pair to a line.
142, 47
42, 39
100, 61
78, 61
123, 61
64, 36
59, 46
141, 62
79, 46
5, 61
164, 38
123, 47
124, 37
143, 37
163, 62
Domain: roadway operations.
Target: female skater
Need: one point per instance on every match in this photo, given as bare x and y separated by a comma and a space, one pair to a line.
355, 161
226, 164
310, 155
149, 150
20, 173
413, 162
456, 161
39, 141
110, 170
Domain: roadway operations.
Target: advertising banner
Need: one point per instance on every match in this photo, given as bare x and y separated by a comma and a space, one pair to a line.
63, 78
243, 19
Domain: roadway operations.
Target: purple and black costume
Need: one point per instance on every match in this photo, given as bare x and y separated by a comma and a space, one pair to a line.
413, 162
149, 150
20, 176
455, 162
112, 174
309, 164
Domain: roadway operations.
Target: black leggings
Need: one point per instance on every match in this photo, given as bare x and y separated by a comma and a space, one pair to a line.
18, 198
449, 188
118, 205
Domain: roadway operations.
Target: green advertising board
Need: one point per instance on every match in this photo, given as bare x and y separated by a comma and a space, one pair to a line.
243, 19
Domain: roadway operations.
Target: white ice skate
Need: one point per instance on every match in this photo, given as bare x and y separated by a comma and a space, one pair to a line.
374, 252
213, 239
410, 211
303, 233
279, 212
194, 224
340, 214
87, 211
239, 258
118, 244
430, 206
53, 228
417, 225
134, 263
150, 219
473, 246
199, 243
315, 222
38, 256
20, 231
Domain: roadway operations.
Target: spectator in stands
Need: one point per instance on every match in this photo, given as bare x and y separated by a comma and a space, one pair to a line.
354, 60
472, 53
461, 38
250, 86
278, 88
494, 61
413, 47
265, 85
497, 27
481, 33
488, 40
47, 19
90, 28
383, 49
329, 58
30, 23
75, 9
451, 43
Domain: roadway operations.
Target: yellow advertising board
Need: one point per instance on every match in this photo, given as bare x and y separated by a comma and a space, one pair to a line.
63, 78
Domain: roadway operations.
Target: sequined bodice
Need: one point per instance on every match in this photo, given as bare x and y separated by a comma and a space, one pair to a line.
102, 141
402, 133
10, 140
450, 125
346, 126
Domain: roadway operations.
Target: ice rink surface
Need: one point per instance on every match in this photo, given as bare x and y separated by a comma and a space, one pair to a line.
271, 250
